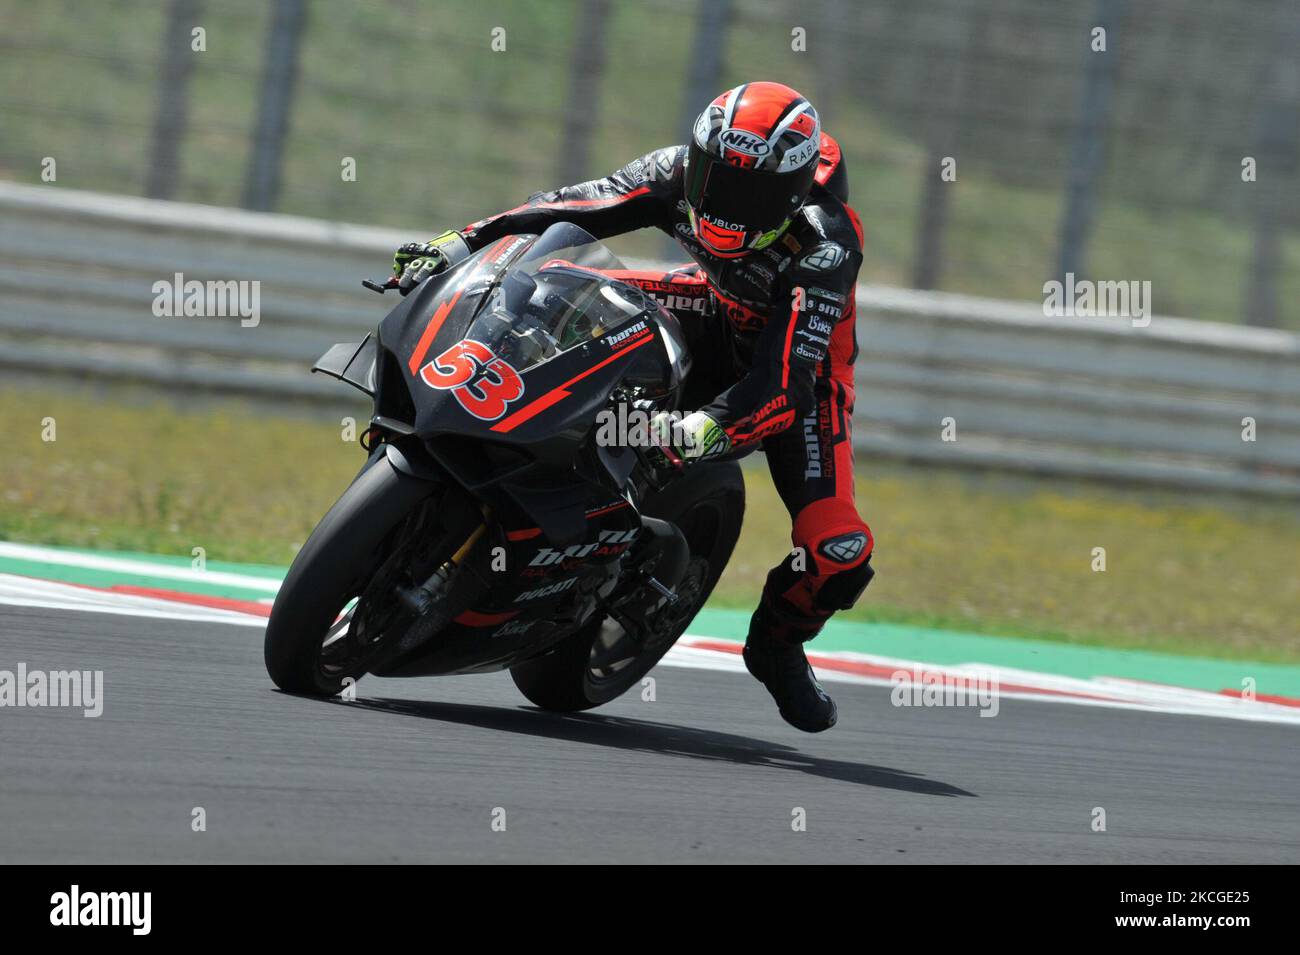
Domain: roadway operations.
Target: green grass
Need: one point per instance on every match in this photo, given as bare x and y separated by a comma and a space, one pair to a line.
1012, 555
986, 552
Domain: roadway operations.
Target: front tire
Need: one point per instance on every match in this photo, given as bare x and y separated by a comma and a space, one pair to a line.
582, 671
333, 568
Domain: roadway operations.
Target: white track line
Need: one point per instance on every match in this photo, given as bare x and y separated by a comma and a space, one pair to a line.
1125, 694
1120, 693
246, 621
52, 595
142, 568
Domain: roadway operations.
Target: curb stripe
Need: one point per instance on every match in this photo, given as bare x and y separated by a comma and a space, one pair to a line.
48, 555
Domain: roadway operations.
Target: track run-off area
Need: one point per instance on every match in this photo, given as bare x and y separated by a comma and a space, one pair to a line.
696, 766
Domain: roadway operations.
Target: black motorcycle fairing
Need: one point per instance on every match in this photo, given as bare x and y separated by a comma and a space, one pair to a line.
522, 341
410, 456
554, 503
352, 363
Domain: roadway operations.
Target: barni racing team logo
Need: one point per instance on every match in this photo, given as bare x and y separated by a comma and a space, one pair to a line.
823, 258
607, 543
627, 336
812, 448
484, 384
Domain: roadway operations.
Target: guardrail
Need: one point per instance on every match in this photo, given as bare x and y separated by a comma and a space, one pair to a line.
1088, 397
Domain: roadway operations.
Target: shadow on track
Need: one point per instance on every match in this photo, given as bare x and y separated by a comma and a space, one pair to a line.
661, 738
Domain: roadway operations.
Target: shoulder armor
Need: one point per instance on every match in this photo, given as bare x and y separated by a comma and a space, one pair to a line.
659, 165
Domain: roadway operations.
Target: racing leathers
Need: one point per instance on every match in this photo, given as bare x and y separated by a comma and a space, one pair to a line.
771, 335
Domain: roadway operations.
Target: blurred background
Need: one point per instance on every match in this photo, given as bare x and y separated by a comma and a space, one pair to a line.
1126, 163
1170, 156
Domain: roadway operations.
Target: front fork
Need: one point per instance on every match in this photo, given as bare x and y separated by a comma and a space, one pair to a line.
421, 599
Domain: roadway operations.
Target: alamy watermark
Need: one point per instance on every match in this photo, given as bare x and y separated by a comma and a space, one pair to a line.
65, 688
177, 297
928, 688
624, 427
1086, 298
75, 907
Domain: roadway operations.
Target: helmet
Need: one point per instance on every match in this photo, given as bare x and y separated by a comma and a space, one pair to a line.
753, 154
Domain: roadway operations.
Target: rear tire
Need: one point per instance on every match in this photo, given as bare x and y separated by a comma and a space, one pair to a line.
708, 505
338, 560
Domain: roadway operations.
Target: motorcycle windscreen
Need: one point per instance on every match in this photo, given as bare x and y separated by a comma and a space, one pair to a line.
482, 296
571, 243
550, 305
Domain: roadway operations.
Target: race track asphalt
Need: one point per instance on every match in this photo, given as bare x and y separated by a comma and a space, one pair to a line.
417, 770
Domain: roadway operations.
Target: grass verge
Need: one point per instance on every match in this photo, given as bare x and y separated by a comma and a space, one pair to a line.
992, 553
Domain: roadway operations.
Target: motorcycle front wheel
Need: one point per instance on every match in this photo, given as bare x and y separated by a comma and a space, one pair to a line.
315, 639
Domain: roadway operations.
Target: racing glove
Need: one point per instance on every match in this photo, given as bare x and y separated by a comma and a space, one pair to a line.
676, 441
416, 261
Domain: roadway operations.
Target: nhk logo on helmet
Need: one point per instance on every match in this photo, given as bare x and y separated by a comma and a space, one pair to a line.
743, 141
483, 383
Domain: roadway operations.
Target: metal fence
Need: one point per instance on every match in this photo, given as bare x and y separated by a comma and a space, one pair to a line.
1177, 402
1120, 155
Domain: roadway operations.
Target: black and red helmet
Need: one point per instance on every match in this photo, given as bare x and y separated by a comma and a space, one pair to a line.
753, 156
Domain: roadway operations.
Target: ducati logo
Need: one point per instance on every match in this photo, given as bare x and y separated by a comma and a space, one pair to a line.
823, 258
846, 548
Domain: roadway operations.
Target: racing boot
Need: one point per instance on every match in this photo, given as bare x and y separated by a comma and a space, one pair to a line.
774, 655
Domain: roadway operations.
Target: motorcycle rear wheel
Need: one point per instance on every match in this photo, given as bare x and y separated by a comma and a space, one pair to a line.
588, 668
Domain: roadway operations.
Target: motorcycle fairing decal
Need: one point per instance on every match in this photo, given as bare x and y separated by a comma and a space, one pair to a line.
607, 543
515, 628
528, 533
605, 510
472, 618
560, 392
482, 383
440, 315
431, 331
549, 590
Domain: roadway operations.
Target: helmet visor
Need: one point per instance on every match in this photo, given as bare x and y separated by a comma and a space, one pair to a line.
749, 200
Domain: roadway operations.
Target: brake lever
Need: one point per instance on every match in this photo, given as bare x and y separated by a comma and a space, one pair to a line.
391, 282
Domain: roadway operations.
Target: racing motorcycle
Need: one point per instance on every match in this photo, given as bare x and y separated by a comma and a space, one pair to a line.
491, 526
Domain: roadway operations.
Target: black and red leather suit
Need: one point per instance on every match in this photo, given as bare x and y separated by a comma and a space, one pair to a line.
772, 342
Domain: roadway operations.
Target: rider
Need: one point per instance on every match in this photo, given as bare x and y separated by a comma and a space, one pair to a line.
758, 198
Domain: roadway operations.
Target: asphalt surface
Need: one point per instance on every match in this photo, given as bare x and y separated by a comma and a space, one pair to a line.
416, 770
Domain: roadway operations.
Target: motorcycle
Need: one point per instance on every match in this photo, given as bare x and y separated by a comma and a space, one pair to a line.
491, 526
